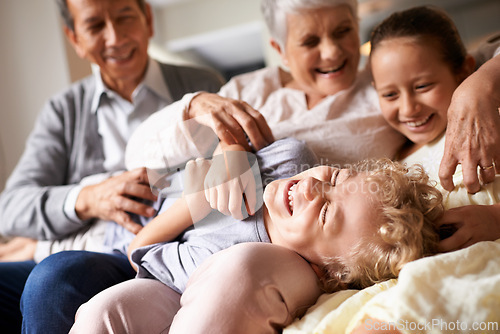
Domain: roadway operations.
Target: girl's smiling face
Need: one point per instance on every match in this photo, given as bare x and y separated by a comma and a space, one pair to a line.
414, 86
320, 213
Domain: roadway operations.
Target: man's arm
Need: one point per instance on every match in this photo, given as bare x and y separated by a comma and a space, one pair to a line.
63, 148
32, 203
114, 198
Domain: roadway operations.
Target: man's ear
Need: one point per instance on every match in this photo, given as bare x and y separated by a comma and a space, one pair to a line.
149, 19
275, 45
73, 40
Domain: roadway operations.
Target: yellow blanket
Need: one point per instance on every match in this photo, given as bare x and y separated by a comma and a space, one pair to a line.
457, 292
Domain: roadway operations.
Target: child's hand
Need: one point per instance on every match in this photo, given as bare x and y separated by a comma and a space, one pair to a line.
194, 191
232, 181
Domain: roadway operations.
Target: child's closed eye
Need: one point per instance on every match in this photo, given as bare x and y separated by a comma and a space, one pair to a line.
424, 87
390, 95
323, 213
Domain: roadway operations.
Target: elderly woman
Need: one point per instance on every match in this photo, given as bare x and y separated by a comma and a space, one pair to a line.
322, 90
323, 100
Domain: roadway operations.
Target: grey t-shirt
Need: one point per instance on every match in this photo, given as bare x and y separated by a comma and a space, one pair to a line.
173, 262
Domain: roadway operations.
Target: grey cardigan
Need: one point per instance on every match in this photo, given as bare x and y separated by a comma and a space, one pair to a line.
63, 148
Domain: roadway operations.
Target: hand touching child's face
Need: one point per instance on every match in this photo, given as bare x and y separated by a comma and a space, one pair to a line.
322, 212
414, 86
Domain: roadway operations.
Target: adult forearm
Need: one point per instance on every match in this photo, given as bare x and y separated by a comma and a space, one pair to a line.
473, 130
151, 145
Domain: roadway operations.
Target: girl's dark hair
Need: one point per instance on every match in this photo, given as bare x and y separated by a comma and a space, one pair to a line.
426, 23
68, 19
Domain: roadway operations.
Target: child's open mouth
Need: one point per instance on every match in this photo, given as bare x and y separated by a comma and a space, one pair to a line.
289, 196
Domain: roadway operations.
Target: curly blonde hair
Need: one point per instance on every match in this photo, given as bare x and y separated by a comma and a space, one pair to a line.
409, 206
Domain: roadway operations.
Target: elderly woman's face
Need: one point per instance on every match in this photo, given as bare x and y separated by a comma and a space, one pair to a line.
322, 50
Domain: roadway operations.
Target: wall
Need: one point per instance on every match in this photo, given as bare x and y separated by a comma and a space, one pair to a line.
187, 18
32, 67
228, 35
473, 18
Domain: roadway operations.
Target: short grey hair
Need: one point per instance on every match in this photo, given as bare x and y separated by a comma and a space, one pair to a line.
68, 18
276, 11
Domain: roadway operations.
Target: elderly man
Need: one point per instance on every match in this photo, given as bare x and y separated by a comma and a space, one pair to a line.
83, 132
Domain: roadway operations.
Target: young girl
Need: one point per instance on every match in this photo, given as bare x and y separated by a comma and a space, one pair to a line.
417, 61
354, 226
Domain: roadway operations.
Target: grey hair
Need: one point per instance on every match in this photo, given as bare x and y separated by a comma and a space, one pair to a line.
276, 11
68, 18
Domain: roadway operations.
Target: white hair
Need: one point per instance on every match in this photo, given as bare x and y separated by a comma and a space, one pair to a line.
276, 11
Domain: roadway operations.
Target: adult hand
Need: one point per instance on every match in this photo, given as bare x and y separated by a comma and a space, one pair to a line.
18, 249
230, 181
473, 132
231, 120
113, 198
474, 223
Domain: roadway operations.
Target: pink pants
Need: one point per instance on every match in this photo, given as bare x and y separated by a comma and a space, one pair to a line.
249, 288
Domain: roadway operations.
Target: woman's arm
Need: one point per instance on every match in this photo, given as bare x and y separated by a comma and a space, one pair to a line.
473, 131
231, 120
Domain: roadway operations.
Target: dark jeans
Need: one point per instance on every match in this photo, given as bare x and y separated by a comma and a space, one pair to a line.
58, 285
13, 275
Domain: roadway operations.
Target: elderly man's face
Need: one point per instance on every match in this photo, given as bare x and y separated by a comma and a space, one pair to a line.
322, 50
113, 34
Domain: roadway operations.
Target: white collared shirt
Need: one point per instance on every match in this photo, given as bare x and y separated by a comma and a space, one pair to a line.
117, 119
